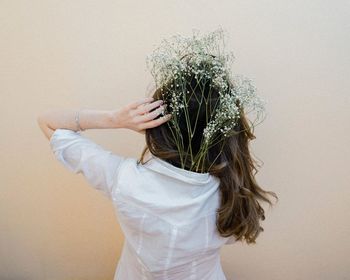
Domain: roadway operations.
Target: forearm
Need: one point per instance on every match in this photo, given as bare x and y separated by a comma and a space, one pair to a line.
88, 119
139, 116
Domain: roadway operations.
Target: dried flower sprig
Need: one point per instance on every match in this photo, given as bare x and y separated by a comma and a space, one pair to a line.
180, 58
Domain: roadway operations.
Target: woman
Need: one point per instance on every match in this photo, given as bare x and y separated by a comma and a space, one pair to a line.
194, 194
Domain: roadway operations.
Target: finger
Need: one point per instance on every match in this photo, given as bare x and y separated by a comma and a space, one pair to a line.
145, 108
158, 121
151, 115
139, 102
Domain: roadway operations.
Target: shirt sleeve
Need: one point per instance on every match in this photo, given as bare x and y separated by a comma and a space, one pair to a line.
80, 154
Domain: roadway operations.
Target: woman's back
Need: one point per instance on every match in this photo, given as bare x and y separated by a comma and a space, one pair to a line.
168, 217
167, 214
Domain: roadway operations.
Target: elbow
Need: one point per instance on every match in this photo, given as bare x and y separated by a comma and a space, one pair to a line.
40, 119
42, 122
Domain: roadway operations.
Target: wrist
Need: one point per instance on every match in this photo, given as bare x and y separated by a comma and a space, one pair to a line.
115, 119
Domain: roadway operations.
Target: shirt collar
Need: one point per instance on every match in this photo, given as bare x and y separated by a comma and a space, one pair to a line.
164, 167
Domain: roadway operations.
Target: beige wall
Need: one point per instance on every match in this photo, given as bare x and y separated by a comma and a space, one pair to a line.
71, 54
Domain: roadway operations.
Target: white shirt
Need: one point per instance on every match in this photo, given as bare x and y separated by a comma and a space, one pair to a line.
166, 213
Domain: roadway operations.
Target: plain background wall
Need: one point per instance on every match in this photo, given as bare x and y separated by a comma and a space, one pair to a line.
91, 54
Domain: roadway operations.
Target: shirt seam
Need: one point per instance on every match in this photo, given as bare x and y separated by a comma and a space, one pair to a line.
115, 184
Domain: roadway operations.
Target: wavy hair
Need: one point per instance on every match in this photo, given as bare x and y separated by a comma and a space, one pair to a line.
231, 161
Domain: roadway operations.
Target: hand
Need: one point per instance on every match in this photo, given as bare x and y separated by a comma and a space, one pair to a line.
137, 116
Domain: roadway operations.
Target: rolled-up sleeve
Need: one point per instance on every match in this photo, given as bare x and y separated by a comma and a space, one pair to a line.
80, 154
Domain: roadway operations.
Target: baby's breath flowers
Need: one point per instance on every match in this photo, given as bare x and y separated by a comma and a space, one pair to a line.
180, 60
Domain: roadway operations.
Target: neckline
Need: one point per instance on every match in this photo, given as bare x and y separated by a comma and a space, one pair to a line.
187, 175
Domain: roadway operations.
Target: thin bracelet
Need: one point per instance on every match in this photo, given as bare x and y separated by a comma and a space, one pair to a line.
77, 121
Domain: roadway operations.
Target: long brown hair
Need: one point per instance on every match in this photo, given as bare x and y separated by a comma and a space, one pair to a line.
239, 213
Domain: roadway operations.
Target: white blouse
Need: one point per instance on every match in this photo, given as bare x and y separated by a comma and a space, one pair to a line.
166, 213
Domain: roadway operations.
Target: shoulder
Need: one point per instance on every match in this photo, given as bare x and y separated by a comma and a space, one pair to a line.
126, 172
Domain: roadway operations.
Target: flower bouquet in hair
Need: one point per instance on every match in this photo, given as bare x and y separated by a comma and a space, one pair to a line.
196, 83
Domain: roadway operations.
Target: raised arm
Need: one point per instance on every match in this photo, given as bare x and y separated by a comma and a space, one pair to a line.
135, 116
80, 154
51, 120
